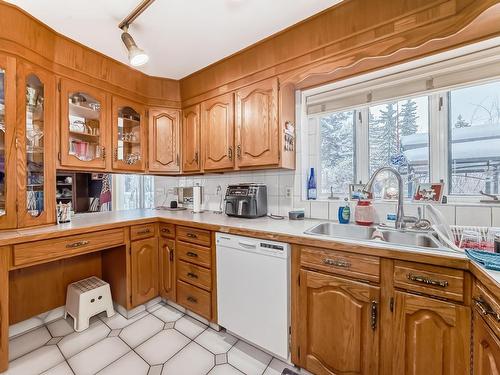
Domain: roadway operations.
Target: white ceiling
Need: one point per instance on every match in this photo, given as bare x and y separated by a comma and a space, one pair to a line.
180, 36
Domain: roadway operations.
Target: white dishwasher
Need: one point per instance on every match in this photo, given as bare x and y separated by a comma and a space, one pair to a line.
253, 290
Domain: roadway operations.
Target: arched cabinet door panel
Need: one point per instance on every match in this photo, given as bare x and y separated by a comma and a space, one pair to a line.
191, 158
36, 103
257, 127
144, 262
217, 132
164, 126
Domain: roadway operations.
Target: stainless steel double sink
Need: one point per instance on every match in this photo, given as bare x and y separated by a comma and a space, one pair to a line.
376, 234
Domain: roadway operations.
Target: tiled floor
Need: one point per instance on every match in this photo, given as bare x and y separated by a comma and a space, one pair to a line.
160, 341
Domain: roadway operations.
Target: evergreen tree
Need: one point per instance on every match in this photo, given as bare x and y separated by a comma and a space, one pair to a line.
461, 123
408, 118
384, 136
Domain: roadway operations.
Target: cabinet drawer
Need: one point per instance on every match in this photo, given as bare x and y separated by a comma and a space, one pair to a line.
194, 254
193, 274
138, 232
432, 280
487, 305
167, 230
197, 236
64, 247
194, 299
358, 266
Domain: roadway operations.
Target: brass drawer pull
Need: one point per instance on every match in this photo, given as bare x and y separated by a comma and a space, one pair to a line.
144, 231
192, 299
192, 275
428, 281
485, 308
191, 254
165, 230
77, 244
337, 263
191, 235
374, 315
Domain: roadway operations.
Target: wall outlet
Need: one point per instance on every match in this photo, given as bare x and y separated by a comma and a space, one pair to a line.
288, 192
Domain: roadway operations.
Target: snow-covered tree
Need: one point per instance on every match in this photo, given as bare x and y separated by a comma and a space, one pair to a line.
408, 117
384, 136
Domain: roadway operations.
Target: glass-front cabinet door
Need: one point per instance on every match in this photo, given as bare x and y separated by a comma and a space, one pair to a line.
36, 94
83, 128
7, 142
129, 135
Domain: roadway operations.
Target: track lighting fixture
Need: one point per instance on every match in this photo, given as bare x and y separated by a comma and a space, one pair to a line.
136, 56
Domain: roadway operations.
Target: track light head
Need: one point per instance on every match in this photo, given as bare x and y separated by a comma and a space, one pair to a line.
136, 56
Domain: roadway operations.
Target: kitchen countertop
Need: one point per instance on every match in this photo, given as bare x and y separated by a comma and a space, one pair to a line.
265, 227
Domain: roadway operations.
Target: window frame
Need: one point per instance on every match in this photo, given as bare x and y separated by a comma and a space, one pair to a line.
118, 191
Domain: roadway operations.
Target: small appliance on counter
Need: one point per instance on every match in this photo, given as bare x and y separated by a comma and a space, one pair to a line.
246, 200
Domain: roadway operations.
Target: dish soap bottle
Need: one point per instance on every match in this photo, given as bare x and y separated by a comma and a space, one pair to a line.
345, 213
312, 193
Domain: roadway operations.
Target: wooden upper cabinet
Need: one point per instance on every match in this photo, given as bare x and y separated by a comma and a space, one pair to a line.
167, 268
338, 325
8, 168
129, 135
84, 126
486, 348
217, 132
431, 337
191, 139
36, 105
144, 265
257, 128
164, 126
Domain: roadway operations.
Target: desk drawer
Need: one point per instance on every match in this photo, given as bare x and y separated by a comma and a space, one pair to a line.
487, 305
358, 266
139, 232
432, 280
191, 253
197, 236
193, 274
63, 247
167, 230
194, 299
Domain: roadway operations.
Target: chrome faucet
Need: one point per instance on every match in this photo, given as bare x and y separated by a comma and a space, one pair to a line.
400, 217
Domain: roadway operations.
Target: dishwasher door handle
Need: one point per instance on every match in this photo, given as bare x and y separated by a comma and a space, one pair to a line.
247, 244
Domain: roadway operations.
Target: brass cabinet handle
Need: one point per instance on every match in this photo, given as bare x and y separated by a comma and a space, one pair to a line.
374, 314
191, 254
165, 230
238, 151
115, 154
230, 153
196, 156
177, 159
103, 152
170, 253
192, 299
485, 308
337, 263
427, 280
144, 231
192, 275
77, 244
191, 235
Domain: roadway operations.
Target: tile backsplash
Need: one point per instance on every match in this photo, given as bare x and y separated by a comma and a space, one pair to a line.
281, 182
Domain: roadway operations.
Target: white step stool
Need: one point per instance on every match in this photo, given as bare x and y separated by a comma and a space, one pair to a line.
86, 298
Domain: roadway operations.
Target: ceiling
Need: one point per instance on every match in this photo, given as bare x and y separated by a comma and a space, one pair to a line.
180, 36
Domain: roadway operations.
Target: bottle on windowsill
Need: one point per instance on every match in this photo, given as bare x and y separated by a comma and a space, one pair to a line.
312, 192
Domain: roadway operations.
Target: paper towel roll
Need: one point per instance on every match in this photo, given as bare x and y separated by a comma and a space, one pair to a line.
197, 198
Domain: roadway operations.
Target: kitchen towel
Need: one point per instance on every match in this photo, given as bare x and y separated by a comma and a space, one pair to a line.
490, 261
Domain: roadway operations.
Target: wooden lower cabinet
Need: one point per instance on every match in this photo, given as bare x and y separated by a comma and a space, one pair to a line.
431, 337
144, 262
338, 330
486, 348
167, 268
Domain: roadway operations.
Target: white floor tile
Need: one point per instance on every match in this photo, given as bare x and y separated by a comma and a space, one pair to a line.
60, 369
161, 347
248, 359
192, 360
36, 362
78, 341
225, 370
28, 342
216, 342
155, 370
129, 364
276, 367
141, 330
118, 321
98, 356
61, 327
189, 326
167, 314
